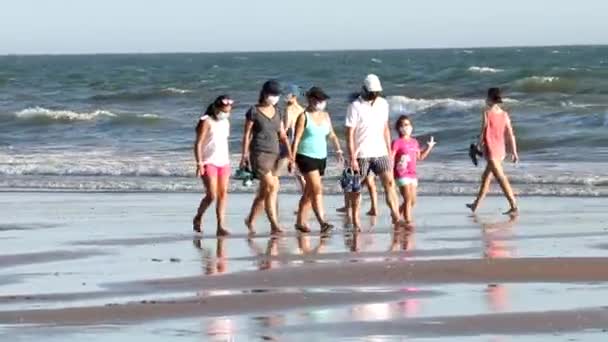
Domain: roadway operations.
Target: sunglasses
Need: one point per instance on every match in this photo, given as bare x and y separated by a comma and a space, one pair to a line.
227, 102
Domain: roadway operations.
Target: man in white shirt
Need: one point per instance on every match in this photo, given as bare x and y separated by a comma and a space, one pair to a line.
368, 137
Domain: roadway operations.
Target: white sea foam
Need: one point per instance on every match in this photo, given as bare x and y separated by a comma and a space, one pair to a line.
484, 69
404, 104
376, 60
173, 90
543, 79
62, 115
111, 171
45, 115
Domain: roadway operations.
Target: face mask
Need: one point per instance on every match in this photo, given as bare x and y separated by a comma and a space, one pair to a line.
406, 131
273, 99
319, 107
223, 115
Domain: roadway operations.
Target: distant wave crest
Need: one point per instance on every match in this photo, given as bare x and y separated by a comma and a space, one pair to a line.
46, 116
403, 104
485, 70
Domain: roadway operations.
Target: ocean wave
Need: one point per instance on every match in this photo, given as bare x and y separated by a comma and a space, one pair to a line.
172, 90
376, 60
485, 70
141, 95
545, 84
61, 115
43, 115
404, 104
171, 167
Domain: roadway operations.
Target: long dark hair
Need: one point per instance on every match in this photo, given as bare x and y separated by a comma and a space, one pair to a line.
494, 96
214, 107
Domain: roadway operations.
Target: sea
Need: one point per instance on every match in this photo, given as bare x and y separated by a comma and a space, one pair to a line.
125, 123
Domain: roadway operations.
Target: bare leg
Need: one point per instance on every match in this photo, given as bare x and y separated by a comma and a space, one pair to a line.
505, 185
409, 203
373, 195
210, 196
391, 195
256, 208
486, 180
304, 205
402, 207
220, 210
316, 193
271, 183
355, 208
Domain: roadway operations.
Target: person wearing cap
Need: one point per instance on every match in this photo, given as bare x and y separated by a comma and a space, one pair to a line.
213, 160
264, 132
313, 128
368, 137
290, 114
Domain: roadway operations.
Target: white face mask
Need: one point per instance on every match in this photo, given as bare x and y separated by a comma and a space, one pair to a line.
223, 115
321, 106
273, 99
406, 131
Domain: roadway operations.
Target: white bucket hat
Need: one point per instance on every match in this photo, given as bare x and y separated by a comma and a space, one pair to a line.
372, 83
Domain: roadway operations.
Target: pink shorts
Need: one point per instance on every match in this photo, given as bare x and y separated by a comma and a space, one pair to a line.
217, 171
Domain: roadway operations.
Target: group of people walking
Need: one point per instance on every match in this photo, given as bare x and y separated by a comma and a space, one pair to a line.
295, 140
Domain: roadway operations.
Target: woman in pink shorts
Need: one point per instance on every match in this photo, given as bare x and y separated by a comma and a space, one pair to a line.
213, 160
405, 153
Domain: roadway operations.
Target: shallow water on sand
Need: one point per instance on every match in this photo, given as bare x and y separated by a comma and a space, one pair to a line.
100, 250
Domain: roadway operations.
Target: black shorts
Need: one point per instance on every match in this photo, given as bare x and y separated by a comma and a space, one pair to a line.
306, 164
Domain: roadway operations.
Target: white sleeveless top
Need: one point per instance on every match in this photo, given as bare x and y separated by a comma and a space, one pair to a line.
215, 146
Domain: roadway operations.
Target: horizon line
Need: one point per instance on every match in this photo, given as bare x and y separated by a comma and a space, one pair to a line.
295, 51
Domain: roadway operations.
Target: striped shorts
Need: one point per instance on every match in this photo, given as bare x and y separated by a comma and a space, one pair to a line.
377, 165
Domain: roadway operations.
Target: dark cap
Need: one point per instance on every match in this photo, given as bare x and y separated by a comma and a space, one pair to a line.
272, 87
317, 94
494, 95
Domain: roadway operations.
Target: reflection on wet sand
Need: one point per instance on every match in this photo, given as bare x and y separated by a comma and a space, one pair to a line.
497, 239
221, 328
403, 239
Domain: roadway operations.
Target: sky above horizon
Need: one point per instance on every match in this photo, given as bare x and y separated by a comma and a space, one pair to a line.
120, 26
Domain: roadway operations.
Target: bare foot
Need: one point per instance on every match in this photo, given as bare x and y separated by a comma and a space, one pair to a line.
276, 230
302, 228
326, 227
250, 227
221, 231
512, 212
196, 224
372, 212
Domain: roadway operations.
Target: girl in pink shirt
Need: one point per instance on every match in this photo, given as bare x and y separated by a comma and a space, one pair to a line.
496, 132
405, 153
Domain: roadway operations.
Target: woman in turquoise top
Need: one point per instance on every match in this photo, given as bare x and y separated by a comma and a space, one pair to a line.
313, 127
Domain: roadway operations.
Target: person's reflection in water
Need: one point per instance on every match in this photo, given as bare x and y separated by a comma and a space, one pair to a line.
213, 264
403, 239
495, 237
265, 256
220, 328
305, 246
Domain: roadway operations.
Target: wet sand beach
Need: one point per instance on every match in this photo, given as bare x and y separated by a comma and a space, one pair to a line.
114, 267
